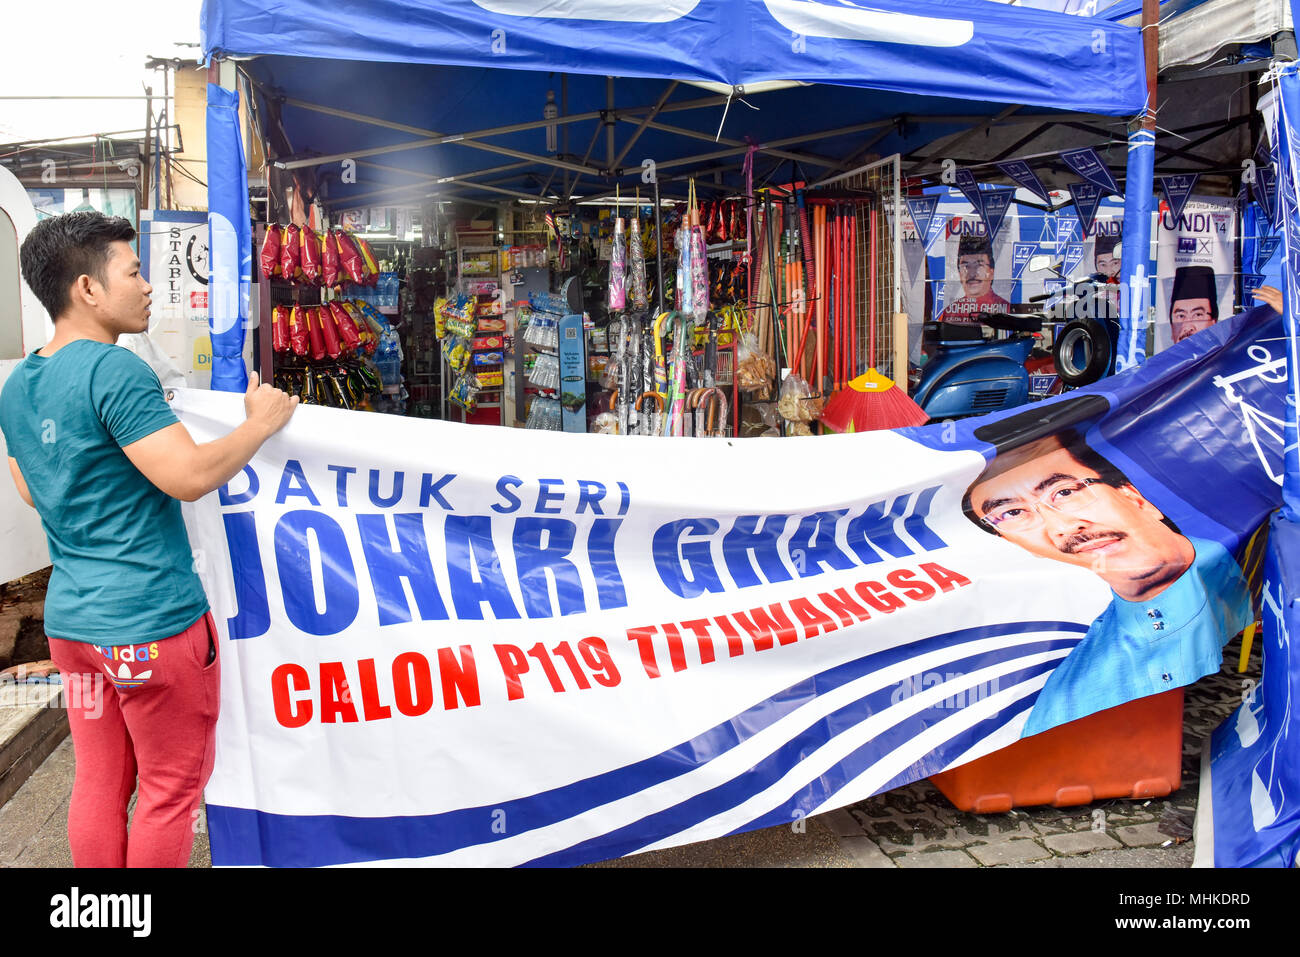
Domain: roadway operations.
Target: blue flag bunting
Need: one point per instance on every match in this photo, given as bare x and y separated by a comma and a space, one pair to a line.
1088, 164
1024, 175
996, 203
1087, 197
1177, 189
966, 183
922, 209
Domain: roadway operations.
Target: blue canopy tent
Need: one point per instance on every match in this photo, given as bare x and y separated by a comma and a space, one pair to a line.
447, 97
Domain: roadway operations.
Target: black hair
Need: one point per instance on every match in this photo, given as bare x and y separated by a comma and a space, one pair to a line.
61, 248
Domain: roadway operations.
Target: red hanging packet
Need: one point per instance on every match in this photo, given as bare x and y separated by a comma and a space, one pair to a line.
329, 259
311, 255
354, 264
348, 334
280, 329
315, 337
329, 331
291, 254
270, 256
298, 330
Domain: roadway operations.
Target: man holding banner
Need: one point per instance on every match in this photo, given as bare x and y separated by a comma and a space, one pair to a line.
1176, 602
96, 450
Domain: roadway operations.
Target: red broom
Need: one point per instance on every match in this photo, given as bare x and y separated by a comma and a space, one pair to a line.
871, 401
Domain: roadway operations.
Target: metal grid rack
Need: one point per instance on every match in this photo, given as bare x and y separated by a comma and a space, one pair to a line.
882, 178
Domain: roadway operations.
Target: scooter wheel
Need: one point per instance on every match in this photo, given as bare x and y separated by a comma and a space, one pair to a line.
1082, 352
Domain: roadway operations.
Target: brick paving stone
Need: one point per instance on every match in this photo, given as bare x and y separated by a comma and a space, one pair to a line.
996, 829
936, 859
1142, 835
1009, 852
1080, 842
865, 852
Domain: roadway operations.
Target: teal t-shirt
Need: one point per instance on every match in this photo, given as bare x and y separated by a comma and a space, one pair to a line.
123, 571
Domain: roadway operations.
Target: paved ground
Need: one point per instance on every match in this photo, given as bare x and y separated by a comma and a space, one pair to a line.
912, 826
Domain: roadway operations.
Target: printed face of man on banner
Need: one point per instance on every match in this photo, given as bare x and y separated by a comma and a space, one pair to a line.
1106, 256
1194, 302
1068, 503
1176, 601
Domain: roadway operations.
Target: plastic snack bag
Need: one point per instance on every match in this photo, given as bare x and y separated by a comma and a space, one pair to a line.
270, 254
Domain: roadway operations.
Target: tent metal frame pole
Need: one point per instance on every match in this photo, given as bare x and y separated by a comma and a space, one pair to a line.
424, 182
959, 138
642, 125
607, 118
435, 138
812, 159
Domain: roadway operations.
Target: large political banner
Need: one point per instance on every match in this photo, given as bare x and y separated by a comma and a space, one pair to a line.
451, 645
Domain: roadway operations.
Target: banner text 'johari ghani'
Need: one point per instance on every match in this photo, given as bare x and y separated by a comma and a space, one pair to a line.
451, 645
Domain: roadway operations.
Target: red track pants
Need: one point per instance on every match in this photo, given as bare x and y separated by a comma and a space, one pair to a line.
150, 710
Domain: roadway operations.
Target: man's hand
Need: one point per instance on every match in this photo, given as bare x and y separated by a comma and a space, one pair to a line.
267, 407
1271, 297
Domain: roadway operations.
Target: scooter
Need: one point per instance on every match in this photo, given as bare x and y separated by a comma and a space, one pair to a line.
967, 374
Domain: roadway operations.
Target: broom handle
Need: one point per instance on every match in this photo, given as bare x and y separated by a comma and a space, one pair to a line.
819, 259
871, 361
855, 314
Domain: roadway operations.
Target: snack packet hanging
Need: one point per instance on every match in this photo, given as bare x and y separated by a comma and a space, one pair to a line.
291, 254
315, 336
329, 258
298, 330
280, 329
348, 335
354, 266
310, 244
754, 368
329, 331
371, 264
270, 254
368, 338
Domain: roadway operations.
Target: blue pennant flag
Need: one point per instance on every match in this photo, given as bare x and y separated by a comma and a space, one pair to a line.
1021, 253
1250, 281
1265, 192
1177, 189
1088, 164
1066, 230
1073, 256
996, 203
966, 183
937, 224
1024, 175
1087, 197
1267, 247
922, 209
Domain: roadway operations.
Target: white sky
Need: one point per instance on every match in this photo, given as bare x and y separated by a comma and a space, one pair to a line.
83, 47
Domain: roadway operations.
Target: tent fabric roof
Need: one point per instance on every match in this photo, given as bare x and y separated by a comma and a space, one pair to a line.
969, 49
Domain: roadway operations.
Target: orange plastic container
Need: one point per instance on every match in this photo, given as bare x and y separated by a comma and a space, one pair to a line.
1132, 751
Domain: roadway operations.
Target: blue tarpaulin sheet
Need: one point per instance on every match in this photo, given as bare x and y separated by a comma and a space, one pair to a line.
955, 48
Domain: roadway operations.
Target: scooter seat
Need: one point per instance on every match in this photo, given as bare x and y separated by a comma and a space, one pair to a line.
953, 331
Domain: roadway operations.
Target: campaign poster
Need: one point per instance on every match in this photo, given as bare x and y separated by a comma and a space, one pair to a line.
1196, 264
977, 270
